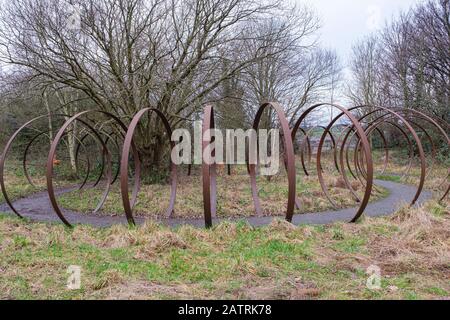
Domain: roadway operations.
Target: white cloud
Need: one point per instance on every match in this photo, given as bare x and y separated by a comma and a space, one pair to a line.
346, 21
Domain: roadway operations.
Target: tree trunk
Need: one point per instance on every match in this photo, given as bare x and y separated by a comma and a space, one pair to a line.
72, 131
153, 148
49, 111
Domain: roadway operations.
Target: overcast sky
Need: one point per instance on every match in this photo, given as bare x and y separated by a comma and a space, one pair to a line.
346, 21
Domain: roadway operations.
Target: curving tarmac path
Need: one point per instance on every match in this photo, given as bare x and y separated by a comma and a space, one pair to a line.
37, 207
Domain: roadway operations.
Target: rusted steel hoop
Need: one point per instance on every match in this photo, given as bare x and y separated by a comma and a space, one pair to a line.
116, 143
440, 129
209, 179
333, 142
406, 174
77, 152
366, 146
306, 144
413, 133
386, 150
369, 132
3, 160
433, 146
53, 148
342, 170
338, 143
4, 156
347, 156
102, 167
50, 171
345, 133
112, 136
127, 145
434, 124
25, 160
358, 161
289, 158
377, 122
337, 168
25, 157
307, 134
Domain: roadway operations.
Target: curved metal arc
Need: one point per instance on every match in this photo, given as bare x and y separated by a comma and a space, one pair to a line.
367, 151
289, 158
3, 160
128, 146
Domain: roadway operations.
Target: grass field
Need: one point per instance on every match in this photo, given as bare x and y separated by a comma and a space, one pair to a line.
17, 185
232, 260
233, 194
397, 168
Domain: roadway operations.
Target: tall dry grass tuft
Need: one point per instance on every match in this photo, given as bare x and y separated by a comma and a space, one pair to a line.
119, 236
160, 242
108, 278
422, 242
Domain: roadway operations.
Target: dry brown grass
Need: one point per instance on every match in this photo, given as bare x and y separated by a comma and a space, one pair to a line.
422, 243
144, 290
234, 197
161, 241
235, 261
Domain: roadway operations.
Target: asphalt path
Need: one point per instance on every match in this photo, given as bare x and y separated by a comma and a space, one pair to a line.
37, 207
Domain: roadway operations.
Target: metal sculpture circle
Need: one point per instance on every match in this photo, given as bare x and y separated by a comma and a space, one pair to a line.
289, 161
354, 136
127, 145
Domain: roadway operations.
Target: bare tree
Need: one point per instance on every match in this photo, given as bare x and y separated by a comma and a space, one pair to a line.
365, 69
408, 63
321, 74
130, 54
297, 75
24, 96
430, 58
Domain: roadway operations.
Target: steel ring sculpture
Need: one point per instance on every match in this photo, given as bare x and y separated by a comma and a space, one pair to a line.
52, 153
289, 161
209, 174
80, 146
5, 154
367, 151
3, 160
353, 138
127, 146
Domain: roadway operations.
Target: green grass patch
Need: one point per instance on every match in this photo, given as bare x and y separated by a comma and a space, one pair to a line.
229, 261
393, 178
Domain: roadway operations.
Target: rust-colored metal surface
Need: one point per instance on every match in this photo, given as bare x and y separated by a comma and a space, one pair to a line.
350, 134
209, 181
127, 146
289, 160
